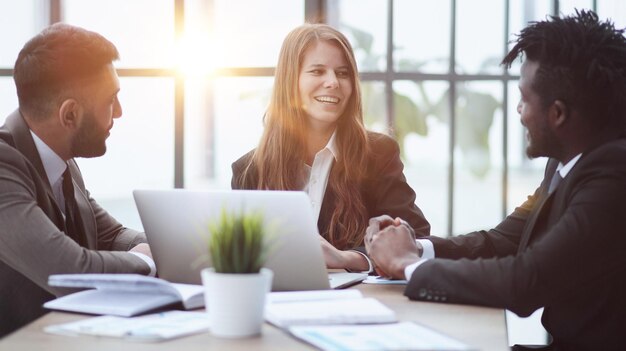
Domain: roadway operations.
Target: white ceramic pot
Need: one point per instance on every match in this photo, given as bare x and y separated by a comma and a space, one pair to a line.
235, 302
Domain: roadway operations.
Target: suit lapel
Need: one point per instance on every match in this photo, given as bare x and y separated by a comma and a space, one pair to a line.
87, 219
23, 142
545, 199
530, 226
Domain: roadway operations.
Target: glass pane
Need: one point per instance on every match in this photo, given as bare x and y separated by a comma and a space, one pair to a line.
143, 31
479, 43
8, 98
140, 150
521, 14
523, 178
421, 38
567, 7
478, 156
374, 106
613, 9
239, 105
250, 33
364, 22
525, 175
19, 21
423, 134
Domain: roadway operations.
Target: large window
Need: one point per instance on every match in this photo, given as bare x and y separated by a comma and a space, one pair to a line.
196, 77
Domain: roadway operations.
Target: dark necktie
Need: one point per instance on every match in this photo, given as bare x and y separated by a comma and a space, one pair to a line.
73, 224
556, 179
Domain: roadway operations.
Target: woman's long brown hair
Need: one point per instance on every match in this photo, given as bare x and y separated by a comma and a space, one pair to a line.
280, 156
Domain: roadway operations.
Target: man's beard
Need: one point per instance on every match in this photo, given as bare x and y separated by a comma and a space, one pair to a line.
90, 141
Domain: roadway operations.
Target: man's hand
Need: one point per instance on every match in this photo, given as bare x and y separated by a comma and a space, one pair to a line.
391, 244
142, 248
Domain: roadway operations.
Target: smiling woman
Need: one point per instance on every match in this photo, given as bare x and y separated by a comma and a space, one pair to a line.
314, 140
325, 88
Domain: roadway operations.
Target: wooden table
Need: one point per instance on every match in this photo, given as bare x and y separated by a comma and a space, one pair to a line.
481, 327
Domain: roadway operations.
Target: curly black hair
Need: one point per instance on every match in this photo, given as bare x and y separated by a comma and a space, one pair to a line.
582, 62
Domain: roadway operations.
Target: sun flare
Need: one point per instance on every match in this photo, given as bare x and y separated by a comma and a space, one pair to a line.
194, 54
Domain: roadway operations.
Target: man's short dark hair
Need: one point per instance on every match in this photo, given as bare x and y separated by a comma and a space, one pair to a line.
582, 62
54, 61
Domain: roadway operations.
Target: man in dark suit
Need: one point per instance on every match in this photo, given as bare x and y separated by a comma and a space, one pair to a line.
564, 248
67, 89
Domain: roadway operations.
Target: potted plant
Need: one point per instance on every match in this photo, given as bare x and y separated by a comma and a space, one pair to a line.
236, 285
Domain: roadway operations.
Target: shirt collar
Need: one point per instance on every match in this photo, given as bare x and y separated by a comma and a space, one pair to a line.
332, 146
52, 163
564, 169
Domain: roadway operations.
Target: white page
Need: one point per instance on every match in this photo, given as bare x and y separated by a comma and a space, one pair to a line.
191, 295
342, 311
118, 303
153, 327
397, 336
312, 295
376, 279
129, 282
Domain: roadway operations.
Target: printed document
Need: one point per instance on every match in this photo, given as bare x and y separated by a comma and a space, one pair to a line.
286, 309
397, 336
152, 327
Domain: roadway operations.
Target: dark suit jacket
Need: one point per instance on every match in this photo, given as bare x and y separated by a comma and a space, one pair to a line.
32, 242
565, 252
384, 191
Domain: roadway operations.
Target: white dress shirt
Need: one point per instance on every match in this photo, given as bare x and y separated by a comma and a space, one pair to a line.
429, 250
54, 167
317, 175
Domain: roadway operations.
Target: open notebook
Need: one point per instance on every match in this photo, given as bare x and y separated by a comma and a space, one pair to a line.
176, 222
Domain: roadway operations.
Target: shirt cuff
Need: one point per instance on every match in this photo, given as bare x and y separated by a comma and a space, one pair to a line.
427, 246
149, 262
408, 270
370, 266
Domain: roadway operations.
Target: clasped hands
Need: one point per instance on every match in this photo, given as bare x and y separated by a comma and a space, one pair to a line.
391, 245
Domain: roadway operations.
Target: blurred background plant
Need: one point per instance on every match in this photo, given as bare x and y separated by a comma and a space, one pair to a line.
474, 110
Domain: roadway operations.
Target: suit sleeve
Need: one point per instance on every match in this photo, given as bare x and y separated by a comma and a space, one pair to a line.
112, 236
501, 241
558, 261
387, 191
30, 242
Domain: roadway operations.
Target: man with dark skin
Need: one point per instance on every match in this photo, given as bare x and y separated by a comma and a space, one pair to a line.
562, 249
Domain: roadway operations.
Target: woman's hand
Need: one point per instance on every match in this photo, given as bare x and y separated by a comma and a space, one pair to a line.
336, 258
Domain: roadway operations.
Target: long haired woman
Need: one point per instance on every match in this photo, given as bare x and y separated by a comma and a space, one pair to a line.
314, 140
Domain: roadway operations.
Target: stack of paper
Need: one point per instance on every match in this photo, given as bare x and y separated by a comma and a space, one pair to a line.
153, 327
325, 307
397, 336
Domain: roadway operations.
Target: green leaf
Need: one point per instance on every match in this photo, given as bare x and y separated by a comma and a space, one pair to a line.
237, 242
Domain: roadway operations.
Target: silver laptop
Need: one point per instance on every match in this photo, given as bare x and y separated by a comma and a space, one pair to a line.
176, 224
